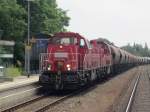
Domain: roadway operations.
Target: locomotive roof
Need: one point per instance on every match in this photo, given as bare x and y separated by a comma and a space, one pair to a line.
68, 34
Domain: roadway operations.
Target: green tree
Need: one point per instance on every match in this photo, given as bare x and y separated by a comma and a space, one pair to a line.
46, 17
12, 20
146, 47
137, 49
13, 23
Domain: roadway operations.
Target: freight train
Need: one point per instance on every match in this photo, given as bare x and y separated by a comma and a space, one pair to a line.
72, 61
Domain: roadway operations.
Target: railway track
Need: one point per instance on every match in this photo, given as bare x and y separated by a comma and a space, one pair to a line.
16, 89
20, 105
139, 100
41, 103
45, 102
132, 94
16, 96
34, 104
46, 107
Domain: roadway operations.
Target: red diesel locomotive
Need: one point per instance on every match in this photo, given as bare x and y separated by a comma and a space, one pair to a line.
71, 60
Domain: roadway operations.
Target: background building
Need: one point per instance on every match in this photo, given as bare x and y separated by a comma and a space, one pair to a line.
39, 45
6, 53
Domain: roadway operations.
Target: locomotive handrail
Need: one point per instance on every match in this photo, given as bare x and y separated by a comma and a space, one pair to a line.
44, 57
77, 57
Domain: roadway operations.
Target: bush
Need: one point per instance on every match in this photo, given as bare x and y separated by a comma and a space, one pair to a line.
12, 72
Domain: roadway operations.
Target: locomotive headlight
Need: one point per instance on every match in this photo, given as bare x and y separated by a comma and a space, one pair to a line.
49, 67
61, 46
68, 67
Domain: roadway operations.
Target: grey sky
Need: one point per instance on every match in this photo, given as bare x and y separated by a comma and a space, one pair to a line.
120, 21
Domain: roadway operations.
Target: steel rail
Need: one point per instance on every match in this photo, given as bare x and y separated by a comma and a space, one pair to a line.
20, 105
56, 102
60, 100
132, 95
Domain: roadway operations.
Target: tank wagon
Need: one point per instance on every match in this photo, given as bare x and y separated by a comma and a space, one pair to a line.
71, 61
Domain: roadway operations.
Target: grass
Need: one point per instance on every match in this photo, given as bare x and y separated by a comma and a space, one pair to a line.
12, 72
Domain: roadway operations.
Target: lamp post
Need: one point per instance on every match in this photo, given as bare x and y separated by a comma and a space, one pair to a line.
27, 64
28, 41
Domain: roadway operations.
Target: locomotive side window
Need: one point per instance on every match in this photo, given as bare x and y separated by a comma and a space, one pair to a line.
82, 43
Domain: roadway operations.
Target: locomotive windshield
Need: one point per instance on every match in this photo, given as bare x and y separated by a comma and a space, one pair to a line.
63, 40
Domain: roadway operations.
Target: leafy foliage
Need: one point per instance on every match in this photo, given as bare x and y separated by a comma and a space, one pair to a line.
45, 17
12, 20
138, 49
12, 72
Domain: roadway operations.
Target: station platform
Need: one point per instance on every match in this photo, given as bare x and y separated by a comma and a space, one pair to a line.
18, 82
